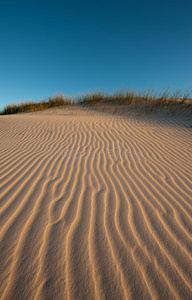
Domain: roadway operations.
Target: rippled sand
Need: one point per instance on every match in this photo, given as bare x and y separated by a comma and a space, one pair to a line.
95, 206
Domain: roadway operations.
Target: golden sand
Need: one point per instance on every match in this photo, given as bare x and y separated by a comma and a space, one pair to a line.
95, 206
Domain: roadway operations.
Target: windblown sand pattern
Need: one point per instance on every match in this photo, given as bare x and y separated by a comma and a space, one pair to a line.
95, 206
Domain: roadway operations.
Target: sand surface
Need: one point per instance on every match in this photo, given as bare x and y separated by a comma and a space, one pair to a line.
95, 206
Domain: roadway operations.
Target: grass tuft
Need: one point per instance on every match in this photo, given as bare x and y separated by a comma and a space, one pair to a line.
149, 100
57, 100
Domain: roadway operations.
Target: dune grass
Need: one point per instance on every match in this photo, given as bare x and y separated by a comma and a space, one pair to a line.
149, 100
30, 106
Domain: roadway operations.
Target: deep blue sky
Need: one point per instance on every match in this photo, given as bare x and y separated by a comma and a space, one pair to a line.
77, 46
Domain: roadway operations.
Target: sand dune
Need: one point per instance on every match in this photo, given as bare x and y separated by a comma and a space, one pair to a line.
95, 206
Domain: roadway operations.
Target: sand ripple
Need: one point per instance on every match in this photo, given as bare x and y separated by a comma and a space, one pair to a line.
95, 206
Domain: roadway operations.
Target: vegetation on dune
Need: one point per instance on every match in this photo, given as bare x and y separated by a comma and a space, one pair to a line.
30, 106
150, 100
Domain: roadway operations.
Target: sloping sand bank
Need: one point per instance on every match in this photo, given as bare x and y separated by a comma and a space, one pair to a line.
95, 206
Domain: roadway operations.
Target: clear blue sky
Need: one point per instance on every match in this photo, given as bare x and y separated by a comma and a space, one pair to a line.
77, 46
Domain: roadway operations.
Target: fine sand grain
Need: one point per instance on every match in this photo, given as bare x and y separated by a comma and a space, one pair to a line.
95, 206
